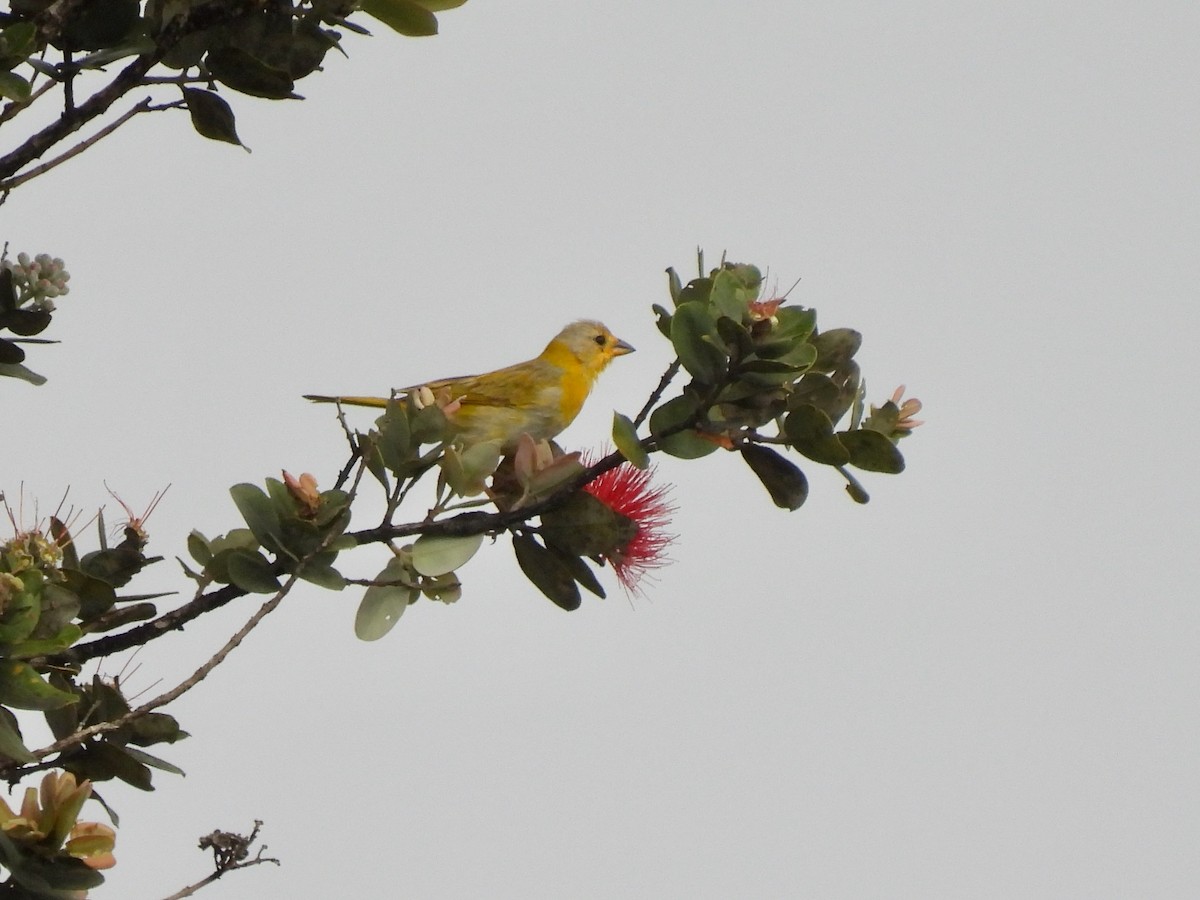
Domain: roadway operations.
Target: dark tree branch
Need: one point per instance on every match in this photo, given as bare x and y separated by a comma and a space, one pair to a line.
147, 631
95, 105
51, 22
104, 132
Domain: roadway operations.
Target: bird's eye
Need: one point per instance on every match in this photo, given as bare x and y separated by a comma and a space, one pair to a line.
600, 340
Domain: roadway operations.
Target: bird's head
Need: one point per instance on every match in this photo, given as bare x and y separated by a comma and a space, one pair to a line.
590, 342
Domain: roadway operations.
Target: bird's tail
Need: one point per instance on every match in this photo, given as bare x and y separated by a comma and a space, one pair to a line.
379, 402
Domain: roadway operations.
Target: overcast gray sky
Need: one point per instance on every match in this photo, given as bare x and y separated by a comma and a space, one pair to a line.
981, 685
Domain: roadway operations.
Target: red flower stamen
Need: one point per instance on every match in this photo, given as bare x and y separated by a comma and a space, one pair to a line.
628, 491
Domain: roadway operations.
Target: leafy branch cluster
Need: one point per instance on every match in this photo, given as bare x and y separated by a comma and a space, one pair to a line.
753, 377
56, 55
180, 52
748, 375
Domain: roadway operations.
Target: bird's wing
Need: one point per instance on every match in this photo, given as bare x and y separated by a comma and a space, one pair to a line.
511, 386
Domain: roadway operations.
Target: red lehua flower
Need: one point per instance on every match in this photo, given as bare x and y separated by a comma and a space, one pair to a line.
628, 491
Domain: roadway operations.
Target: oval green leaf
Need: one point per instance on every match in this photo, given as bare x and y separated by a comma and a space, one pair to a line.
235, 68
687, 445
871, 451
320, 572
547, 571
694, 337
252, 572
835, 348
211, 116
438, 555
259, 512
11, 744
811, 432
22, 687
402, 16
624, 436
383, 604
783, 480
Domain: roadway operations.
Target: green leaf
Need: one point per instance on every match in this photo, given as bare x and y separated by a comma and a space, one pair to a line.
10, 353
99, 24
548, 480
394, 430
857, 493
581, 572
467, 470
440, 5
211, 116
670, 415
64, 720
835, 348
62, 537
22, 687
729, 295
674, 285
696, 342
135, 47
11, 744
403, 16
811, 432
871, 451
796, 323
122, 617
16, 370
26, 322
695, 291
368, 445
14, 87
60, 605
235, 68
103, 760
783, 479
96, 596
198, 547
17, 42
438, 555
155, 728
547, 571
680, 444
318, 571
55, 878
383, 604
69, 634
687, 445
252, 572
260, 514
149, 759
23, 609
662, 320
624, 436
736, 336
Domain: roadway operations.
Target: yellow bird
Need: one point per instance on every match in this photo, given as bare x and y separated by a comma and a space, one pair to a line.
540, 396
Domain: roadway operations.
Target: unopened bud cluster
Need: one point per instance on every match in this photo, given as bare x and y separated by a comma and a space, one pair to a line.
38, 280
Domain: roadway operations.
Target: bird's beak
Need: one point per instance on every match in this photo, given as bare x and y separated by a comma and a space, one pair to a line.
620, 348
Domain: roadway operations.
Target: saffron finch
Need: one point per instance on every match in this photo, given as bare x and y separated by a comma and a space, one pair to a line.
539, 397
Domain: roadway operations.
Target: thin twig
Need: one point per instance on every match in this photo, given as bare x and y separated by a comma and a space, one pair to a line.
104, 132
14, 108
180, 689
95, 105
656, 394
229, 852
